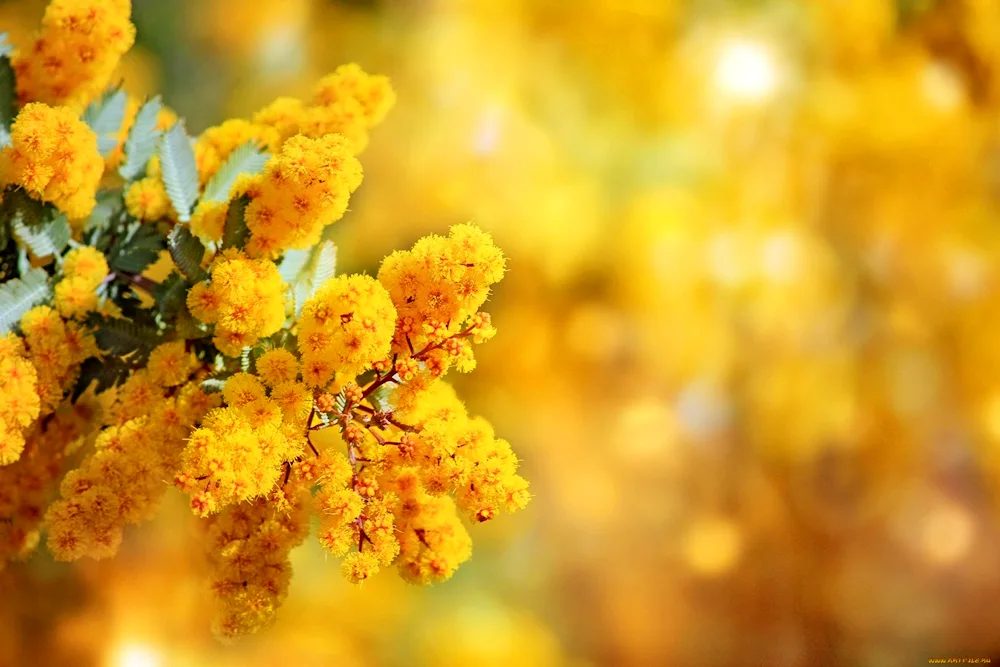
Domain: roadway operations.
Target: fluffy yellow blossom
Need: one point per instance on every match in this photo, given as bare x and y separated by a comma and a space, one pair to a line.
285, 115
248, 546
85, 262
53, 156
126, 371
26, 485
348, 102
303, 188
56, 349
75, 297
121, 481
171, 363
75, 53
277, 367
209, 220
146, 199
240, 450
345, 327
349, 82
83, 271
437, 287
19, 403
244, 298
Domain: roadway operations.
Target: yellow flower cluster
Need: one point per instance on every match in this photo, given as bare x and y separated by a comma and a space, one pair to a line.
84, 269
248, 546
19, 405
348, 102
398, 506
245, 299
437, 286
56, 348
26, 485
75, 53
53, 156
122, 480
345, 327
240, 450
146, 199
303, 188
261, 420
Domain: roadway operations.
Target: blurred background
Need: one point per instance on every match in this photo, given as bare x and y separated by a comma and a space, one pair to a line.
749, 348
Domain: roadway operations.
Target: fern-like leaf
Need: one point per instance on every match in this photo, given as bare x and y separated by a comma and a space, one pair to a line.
213, 385
8, 99
123, 337
19, 295
142, 138
187, 252
235, 233
49, 238
139, 248
108, 372
105, 116
292, 264
321, 267
245, 159
179, 170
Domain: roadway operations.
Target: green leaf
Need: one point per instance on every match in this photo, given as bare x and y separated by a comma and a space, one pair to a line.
142, 138
139, 248
170, 295
213, 385
8, 98
245, 159
187, 252
19, 295
108, 202
235, 233
122, 337
247, 360
325, 264
179, 170
49, 238
108, 372
17, 205
293, 263
105, 116
321, 267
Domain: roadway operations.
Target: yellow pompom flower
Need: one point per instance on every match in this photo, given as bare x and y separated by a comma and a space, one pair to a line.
439, 284
75, 297
146, 199
208, 221
53, 156
171, 363
245, 299
285, 115
303, 188
19, 402
277, 367
373, 93
346, 326
85, 262
75, 53
83, 271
